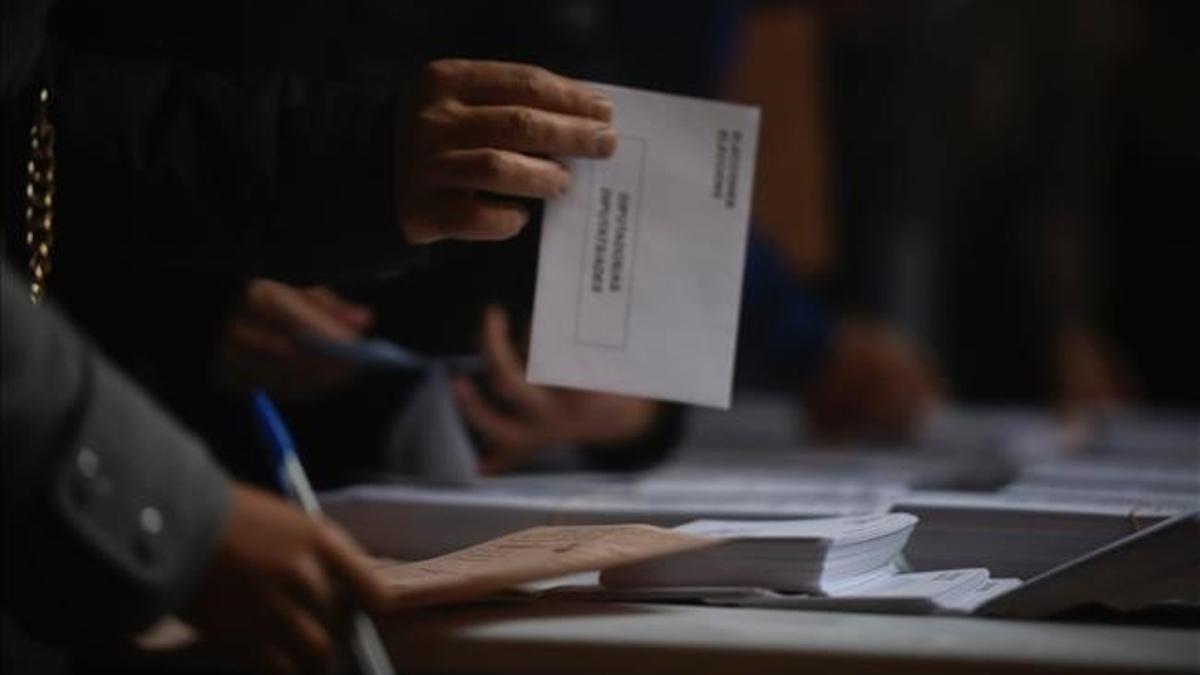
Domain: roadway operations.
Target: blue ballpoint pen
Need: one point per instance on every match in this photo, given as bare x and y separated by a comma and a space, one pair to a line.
365, 643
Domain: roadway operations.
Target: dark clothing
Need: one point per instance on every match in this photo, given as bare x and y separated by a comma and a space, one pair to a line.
200, 144
185, 139
111, 509
182, 143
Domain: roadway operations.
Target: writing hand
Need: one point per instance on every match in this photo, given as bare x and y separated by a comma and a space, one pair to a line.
271, 597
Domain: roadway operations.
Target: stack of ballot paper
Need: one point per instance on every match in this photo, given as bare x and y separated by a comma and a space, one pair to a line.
959, 591
820, 556
843, 564
841, 465
1019, 534
1145, 434
1159, 476
956, 447
413, 521
1138, 500
1154, 565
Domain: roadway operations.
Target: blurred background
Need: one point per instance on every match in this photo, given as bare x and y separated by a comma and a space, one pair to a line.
957, 203
1003, 189
1007, 184
972, 267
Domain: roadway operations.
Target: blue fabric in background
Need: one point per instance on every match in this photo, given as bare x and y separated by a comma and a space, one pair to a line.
687, 48
785, 326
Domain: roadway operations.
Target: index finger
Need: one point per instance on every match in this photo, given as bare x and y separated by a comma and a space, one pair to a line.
500, 83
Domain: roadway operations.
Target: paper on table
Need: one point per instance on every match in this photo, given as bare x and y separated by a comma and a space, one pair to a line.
975, 597
924, 584
958, 591
640, 270
528, 555
844, 530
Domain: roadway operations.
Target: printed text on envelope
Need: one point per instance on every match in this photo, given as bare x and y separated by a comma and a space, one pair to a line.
614, 215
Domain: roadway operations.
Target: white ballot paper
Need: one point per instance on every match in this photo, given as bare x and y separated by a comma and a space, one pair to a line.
640, 270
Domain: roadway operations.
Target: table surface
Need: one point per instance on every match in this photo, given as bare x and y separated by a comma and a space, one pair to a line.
566, 638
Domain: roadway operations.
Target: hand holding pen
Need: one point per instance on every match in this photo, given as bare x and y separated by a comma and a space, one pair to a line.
271, 597
277, 590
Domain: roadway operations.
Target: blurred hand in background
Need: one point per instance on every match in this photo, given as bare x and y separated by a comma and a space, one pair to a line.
263, 342
528, 418
1092, 374
874, 387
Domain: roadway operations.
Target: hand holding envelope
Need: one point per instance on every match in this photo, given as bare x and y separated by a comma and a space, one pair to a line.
640, 271
479, 140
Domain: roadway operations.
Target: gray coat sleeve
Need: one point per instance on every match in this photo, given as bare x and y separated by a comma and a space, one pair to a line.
111, 510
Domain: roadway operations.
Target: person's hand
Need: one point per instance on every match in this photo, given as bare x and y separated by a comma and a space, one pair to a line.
539, 418
1092, 373
261, 344
482, 137
875, 387
277, 595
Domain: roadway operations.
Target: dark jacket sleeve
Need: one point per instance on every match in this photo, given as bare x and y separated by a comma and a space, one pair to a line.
110, 509
258, 167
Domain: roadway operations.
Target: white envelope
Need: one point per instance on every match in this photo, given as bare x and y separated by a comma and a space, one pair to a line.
640, 269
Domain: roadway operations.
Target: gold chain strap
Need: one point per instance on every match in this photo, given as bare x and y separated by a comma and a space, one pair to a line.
39, 199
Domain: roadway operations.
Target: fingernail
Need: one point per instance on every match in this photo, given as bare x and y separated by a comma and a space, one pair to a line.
605, 141
602, 109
